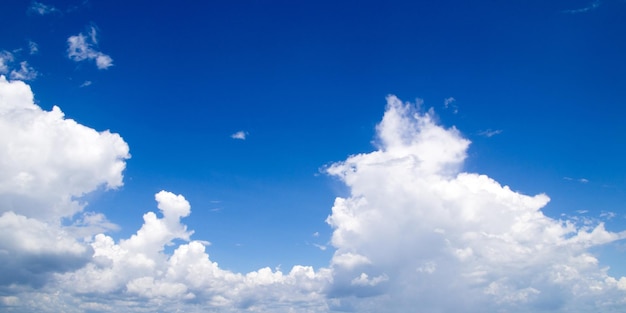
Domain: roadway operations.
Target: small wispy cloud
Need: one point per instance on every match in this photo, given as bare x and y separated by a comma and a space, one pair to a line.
241, 135
321, 247
5, 58
580, 180
490, 132
85, 84
42, 9
607, 215
592, 6
25, 72
33, 47
448, 103
83, 47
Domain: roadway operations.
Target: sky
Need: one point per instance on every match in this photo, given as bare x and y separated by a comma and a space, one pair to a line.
312, 156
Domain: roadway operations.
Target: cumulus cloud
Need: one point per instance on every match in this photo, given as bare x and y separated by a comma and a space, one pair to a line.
138, 269
84, 47
449, 241
47, 163
241, 135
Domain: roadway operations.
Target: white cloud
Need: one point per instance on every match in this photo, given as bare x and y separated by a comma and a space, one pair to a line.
85, 84
83, 47
450, 241
47, 163
25, 72
42, 9
139, 267
241, 135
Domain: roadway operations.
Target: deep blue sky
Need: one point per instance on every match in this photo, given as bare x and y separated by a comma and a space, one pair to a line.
307, 81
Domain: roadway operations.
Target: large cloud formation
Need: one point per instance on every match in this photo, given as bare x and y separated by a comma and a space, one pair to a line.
415, 234
47, 163
419, 234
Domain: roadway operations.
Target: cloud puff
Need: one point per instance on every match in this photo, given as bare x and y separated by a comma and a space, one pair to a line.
241, 135
48, 161
417, 232
83, 47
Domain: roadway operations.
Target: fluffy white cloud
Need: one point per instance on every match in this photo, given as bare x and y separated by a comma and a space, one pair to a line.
425, 235
47, 163
83, 47
139, 267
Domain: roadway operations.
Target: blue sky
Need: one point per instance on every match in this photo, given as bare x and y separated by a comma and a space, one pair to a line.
536, 87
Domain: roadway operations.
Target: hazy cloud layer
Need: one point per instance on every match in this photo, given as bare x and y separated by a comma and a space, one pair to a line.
415, 233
